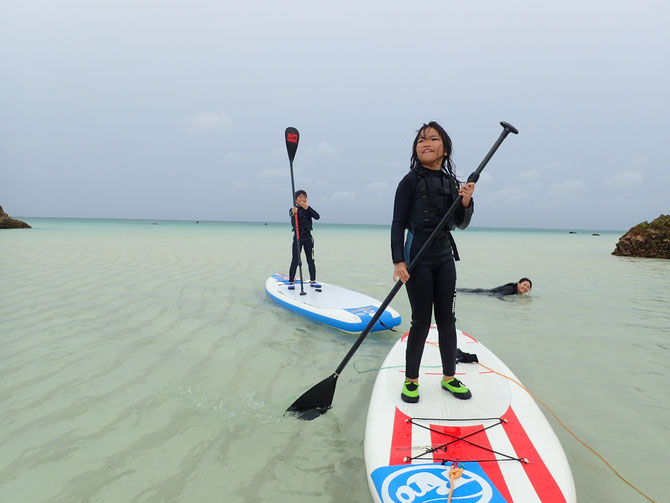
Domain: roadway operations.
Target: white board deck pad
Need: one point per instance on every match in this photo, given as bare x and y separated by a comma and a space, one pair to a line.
333, 305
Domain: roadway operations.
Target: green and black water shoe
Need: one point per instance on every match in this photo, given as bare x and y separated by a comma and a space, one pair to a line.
410, 392
456, 388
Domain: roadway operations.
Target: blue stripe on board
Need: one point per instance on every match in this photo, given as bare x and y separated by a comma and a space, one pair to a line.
282, 278
386, 317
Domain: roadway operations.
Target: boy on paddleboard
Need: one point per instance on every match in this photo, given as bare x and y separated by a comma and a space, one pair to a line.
302, 213
422, 198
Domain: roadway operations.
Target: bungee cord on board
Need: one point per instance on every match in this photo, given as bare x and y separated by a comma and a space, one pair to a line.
455, 438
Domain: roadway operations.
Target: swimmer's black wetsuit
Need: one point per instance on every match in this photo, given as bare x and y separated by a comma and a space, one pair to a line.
499, 291
421, 200
306, 241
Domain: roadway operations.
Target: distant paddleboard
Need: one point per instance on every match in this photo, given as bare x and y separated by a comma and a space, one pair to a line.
500, 438
333, 305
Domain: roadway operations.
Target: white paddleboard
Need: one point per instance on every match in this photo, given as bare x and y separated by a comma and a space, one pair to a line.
501, 439
333, 305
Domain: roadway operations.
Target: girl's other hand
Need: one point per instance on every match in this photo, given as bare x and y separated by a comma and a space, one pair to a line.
400, 272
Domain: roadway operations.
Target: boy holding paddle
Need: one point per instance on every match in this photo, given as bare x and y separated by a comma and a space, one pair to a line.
301, 219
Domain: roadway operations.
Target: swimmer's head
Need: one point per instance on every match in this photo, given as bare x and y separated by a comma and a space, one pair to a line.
524, 285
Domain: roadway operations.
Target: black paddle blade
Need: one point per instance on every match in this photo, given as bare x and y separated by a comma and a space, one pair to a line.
292, 137
316, 401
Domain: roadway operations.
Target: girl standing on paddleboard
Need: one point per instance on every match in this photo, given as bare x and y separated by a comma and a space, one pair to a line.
422, 198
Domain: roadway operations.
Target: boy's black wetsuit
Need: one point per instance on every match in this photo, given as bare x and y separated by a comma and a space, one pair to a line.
499, 291
422, 198
305, 217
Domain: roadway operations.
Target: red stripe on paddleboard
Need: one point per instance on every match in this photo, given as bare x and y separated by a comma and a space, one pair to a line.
543, 482
464, 451
401, 443
468, 335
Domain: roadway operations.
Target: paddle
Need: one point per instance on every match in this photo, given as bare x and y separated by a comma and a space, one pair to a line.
319, 398
292, 137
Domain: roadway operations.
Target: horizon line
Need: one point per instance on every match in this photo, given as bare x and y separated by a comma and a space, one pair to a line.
266, 222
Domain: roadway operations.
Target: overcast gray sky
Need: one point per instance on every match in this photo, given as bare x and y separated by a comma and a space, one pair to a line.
177, 109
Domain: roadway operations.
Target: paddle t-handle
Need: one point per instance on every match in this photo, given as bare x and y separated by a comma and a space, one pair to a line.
507, 129
318, 399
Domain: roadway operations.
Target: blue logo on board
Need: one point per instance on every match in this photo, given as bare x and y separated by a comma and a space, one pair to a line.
429, 483
368, 311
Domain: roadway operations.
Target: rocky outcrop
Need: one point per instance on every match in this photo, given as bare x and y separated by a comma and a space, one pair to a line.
650, 240
7, 222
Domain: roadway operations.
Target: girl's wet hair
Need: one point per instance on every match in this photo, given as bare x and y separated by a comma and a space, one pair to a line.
447, 163
526, 279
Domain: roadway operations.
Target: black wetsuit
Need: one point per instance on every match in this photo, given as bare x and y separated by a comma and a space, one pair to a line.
432, 283
499, 291
305, 217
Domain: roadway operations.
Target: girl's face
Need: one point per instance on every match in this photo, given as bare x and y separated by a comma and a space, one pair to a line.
430, 148
523, 287
301, 200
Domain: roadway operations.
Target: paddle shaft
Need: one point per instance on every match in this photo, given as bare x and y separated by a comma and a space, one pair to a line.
298, 247
291, 135
474, 177
297, 239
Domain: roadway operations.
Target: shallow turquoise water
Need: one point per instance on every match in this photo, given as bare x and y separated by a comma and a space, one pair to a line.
142, 361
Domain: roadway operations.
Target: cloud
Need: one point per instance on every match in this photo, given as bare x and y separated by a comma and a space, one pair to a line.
208, 122
531, 174
326, 150
322, 150
235, 157
569, 186
553, 166
278, 153
378, 186
342, 195
571, 190
485, 178
507, 197
626, 178
375, 194
271, 173
638, 162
